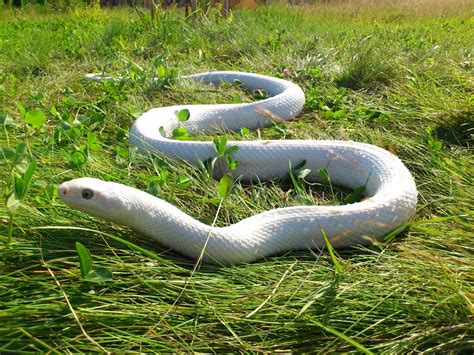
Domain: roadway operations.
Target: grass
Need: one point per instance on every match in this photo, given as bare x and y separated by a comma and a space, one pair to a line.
400, 80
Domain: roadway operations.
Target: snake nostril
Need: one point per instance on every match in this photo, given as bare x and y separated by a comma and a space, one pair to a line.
62, 190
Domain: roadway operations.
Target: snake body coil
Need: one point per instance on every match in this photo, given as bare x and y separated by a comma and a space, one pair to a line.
391, 194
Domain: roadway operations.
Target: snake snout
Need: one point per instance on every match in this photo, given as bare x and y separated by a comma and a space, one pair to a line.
63, 190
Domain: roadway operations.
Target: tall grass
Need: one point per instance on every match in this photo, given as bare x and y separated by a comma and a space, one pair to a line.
391, 7
402, 82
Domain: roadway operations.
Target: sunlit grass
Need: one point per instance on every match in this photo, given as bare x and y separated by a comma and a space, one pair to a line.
402, 81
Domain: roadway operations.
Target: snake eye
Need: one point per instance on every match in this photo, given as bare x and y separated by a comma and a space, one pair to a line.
87, 194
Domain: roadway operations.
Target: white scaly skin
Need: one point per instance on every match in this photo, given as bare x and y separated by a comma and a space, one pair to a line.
391, 194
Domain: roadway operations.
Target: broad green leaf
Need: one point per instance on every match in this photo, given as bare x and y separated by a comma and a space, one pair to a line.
64, 126
19, 186
238, 99
77, 159
28, 174
232, 163
225, 185
435, 145
231, 150
20, 161
183, 181
99, 275
260, 94
162, 131
323, 173
35, 118
216, 142
303, 173
355, 196
339, 114
329, 114
162, 177
85, 259
21, 109
13, 202
153, 188
54, 111
122, 152
19, 152
183, 115
135, 112
92, 142
40, 183
6, 154
39, 96
7, 121
180, 133
244, 131
159, 163
22, 183
298, 166
161, 71
214, 201
220, 144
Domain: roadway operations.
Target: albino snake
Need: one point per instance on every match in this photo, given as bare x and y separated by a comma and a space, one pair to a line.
391, 193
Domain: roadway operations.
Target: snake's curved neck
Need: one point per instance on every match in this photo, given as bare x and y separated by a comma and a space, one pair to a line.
159, 219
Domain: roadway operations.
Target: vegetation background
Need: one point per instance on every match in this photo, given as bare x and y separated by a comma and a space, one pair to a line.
397, 74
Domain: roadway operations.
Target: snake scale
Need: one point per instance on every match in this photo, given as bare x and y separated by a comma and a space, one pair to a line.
390, 194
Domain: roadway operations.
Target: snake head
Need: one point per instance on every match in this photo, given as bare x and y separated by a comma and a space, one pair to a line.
96, 197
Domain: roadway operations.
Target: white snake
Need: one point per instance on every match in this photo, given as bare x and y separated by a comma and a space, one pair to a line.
391, 193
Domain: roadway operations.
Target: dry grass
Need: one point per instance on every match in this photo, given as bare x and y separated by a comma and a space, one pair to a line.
409, 8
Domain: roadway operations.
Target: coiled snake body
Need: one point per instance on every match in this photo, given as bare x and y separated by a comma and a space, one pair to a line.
391, 193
